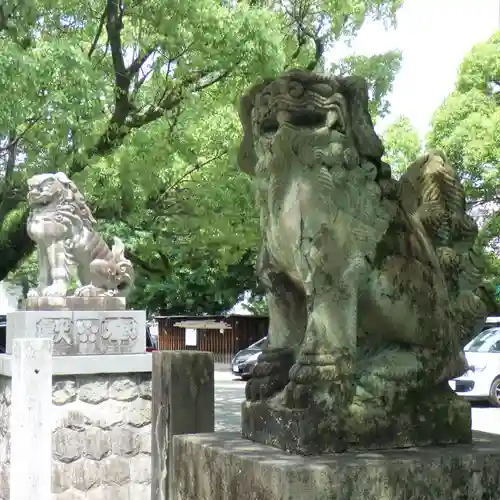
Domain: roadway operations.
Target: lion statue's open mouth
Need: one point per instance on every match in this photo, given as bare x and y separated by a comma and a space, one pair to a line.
36, 198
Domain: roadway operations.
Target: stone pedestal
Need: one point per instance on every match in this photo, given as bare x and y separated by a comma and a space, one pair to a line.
106, 303
81, 332
101, 438
224, 466
101, 400
440, 418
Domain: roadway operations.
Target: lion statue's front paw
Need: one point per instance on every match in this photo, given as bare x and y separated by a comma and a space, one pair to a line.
55, 290
89, 291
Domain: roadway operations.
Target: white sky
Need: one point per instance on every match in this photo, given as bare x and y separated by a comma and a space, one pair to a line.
434, 36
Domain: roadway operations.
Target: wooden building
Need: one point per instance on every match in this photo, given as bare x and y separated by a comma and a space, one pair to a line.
222, 335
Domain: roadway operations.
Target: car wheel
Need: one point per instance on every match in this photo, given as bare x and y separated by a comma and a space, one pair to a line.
246, 377
495, 392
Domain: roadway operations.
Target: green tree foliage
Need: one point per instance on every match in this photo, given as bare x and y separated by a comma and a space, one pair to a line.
467, 128
379, 71
136, 102
257, 305
402, 145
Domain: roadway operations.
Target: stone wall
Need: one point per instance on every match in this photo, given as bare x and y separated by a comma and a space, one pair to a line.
101, 437
4, 436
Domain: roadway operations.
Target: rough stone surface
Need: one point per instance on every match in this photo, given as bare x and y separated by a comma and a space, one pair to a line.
85, 332
223, 466
5, 392
439, 420
101, 437
183, 403
374, 284
74, 304
92, 365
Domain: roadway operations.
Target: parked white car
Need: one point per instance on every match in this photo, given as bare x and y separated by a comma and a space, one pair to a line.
482, 381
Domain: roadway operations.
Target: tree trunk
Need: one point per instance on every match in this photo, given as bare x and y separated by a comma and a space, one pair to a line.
15, 245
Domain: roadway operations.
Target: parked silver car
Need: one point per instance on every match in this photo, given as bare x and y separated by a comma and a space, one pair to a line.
245, 360
482, 381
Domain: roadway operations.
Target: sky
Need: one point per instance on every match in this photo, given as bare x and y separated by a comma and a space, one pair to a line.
434, 36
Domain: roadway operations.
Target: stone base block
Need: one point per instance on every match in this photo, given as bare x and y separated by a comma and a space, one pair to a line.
442, 418
90, 365
81, 332
224, 466
295, 431
74, 304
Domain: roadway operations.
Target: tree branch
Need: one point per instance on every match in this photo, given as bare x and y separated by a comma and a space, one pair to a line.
187, 174
140, 81
116, 130
114, 26
137, 63
14, 139
170, 99
10, 164
135, 259
98, 32
318, 54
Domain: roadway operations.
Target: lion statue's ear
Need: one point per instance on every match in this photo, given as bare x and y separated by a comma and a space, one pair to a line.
247, 158
62, 178
368, 143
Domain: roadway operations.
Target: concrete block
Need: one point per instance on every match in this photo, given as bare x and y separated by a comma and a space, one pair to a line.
224, 466
30, 420
183, 402
81, 332
74, 303
90, 365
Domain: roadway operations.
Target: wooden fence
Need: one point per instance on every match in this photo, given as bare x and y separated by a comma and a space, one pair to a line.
223, 336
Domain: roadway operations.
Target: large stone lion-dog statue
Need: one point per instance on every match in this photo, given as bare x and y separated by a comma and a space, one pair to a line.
373, 284
62, 226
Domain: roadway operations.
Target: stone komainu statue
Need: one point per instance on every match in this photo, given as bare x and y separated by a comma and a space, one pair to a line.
373, 284
62, 226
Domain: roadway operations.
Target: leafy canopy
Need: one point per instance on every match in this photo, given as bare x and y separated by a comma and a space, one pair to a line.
135, 100
402, 145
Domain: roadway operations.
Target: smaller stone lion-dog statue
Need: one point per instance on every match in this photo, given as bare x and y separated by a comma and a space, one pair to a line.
373, 284
62, 226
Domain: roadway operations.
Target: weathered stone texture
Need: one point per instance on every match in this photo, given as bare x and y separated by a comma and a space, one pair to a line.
184, 406
101, 437
374, 284
81, 332
5, 400
223, 466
